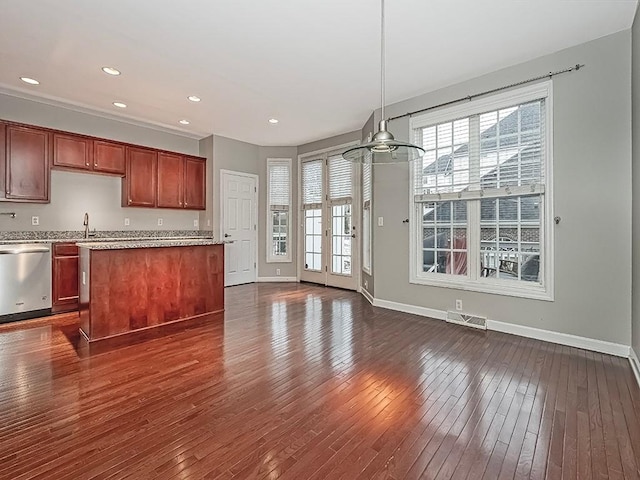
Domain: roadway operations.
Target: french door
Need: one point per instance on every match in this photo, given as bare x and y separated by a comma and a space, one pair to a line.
329, 224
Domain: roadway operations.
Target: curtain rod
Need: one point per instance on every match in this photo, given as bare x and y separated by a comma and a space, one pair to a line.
577, 67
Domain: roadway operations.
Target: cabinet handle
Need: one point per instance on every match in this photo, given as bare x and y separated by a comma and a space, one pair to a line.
87, 164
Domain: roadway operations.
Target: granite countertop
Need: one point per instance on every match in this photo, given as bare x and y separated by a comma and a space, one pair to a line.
147, 243
102, 236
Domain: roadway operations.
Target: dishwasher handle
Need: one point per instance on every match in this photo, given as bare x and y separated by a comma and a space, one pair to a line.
18, 251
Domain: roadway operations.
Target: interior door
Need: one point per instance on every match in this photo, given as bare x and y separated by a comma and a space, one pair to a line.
238, 216
329, 226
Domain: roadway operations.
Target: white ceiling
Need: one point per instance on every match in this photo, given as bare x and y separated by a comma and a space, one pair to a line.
314, 65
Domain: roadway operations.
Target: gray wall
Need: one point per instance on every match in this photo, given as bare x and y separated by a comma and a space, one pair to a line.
592, 194
367, 282
73, 194
288, 269
635, 326
229, 154
206, 150
329, 142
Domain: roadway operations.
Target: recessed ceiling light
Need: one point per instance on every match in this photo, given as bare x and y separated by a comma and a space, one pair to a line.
273, 120
119, 104
30, 81
184, 122
193, 98
111, 71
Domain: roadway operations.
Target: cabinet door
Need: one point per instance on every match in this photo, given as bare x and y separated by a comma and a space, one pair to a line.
108, 157
65, 283
141, 178
170, 180
195, 183
71, 151
27, 164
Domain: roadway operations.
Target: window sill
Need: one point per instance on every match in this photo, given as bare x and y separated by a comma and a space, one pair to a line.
278, 260
505, 287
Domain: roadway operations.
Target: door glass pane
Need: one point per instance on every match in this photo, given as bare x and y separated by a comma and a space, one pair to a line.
313, 239
341, 239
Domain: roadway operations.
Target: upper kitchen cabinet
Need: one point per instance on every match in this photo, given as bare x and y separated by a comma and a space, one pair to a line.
26, 164
139, 183
195, 183
170, 180
72, 151
109, 157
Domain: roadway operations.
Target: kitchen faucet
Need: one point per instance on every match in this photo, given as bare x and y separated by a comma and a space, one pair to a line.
86, 225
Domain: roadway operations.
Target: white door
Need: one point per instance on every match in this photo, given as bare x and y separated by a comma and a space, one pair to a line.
238, 219
328, 230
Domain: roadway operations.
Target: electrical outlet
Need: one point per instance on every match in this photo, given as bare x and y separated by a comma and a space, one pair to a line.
35, 220
278, 272
208, 223
380, 221
459, 305
366, 284
160, 222
195, 223
127, 222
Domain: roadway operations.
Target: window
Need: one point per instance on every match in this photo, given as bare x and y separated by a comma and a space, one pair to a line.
481, 196
312, 209
366, 213
279, 214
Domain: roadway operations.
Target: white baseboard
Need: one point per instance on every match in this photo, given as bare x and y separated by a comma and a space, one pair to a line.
277, 279
635, 364
365, 293
600, 346
585, 343
403, 307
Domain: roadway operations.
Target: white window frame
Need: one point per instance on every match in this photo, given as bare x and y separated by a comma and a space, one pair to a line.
473, 281
367, 211
271, 258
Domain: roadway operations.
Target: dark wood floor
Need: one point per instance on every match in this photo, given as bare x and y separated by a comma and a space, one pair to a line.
302, 382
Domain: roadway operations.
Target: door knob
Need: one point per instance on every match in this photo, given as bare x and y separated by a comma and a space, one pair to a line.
226, 235
353, 235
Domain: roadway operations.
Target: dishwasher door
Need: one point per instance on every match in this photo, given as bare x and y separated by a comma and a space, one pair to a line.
25, 279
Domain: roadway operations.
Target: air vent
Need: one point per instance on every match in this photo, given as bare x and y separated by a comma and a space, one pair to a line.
466, 319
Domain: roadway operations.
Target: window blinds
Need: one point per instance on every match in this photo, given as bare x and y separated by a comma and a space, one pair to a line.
492, 154
340, 179
312, 184
366, 181
279, 185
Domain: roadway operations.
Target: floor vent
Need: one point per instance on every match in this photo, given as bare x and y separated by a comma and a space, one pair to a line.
466, 319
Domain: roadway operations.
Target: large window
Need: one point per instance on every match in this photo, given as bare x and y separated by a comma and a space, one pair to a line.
482, 198
279, 214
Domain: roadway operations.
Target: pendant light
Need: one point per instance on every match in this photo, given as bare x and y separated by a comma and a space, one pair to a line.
383, 147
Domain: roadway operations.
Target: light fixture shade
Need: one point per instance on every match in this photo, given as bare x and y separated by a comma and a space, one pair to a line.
384, 149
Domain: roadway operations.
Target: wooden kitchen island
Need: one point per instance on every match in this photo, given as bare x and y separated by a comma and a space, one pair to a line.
131, 286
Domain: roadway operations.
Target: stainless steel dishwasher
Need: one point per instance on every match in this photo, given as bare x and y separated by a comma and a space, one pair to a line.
25, 281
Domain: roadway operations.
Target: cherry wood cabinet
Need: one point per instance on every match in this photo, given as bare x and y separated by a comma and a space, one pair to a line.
109, 157
139, 183
171, 171
26, 166
128, 290
195, 183
72, 151
65, 277
181, 182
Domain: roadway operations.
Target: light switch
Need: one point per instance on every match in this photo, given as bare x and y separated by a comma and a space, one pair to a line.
380, 221
127, 222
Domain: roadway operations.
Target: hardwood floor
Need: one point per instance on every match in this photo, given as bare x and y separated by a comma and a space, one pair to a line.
303, 382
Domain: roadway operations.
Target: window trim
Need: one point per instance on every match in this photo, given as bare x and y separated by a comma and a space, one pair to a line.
473, 282
270, 257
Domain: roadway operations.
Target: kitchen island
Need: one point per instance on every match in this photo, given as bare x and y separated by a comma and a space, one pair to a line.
128, 286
